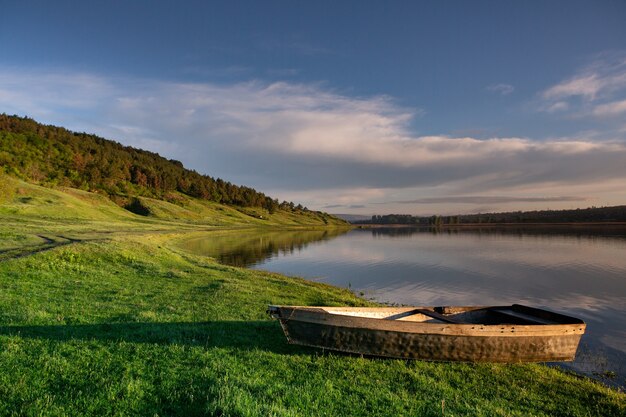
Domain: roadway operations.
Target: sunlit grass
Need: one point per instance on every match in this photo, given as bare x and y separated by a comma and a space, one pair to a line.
21, 200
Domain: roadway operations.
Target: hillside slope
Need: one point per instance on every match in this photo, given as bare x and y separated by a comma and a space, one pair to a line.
19, 199
140, 181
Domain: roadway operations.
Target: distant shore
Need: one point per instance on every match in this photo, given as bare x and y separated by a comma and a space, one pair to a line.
467, 225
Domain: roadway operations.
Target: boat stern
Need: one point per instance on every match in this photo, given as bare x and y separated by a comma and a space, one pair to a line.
273, 311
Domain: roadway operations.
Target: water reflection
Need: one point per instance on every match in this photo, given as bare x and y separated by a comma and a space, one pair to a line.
251, 247
579, 271
601, 231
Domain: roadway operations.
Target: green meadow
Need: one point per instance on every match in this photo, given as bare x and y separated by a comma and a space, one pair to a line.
103, 313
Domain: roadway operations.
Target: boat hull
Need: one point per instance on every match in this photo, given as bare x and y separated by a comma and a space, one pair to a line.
431, 341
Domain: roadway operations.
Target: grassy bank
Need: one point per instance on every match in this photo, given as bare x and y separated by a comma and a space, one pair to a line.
33, 203
110, 317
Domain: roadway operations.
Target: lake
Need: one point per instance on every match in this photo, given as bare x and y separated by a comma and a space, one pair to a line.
576, 270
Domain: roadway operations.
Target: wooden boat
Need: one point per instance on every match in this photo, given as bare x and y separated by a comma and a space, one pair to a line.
510, 334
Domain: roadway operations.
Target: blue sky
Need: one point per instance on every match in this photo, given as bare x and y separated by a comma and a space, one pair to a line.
362, 107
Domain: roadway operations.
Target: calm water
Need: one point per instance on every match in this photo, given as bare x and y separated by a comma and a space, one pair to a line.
580, 271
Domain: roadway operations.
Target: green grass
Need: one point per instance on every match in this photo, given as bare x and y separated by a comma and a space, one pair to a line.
128, 323
19, 199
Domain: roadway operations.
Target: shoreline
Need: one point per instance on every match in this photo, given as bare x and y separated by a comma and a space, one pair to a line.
475, 225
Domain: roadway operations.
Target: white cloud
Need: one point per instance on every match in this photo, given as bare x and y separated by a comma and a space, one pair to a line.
591, 91
610, 109
557, 107
483, 199
587, 86
601, 78
341, 197
503, 89
41, 93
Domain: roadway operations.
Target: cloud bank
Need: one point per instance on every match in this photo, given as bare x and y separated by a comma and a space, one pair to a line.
284, 138
489, 200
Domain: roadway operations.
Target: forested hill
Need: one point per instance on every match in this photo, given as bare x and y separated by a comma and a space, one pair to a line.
55, 156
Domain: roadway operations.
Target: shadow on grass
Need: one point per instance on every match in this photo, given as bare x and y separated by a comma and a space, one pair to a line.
247, 335
598, 362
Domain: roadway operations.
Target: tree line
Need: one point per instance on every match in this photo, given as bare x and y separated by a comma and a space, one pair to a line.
55, 156
591, 214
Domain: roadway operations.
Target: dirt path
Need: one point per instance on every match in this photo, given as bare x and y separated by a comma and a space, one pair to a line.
49, 243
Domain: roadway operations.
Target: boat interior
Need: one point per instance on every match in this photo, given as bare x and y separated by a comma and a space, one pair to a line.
493, 315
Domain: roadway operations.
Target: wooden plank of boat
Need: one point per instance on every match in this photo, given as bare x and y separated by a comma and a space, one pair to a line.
513, 333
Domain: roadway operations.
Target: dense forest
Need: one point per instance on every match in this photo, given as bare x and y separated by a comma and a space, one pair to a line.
592, 214
55, 156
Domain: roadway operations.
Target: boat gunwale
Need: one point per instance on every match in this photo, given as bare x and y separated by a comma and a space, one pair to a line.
319, 315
